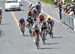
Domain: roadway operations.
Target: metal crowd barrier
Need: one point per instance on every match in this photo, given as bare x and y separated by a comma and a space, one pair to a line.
69, 20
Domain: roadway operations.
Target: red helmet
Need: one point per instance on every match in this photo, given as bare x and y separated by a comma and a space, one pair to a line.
41, 17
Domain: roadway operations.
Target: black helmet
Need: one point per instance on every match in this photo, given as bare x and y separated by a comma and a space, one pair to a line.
22, 20
38, 2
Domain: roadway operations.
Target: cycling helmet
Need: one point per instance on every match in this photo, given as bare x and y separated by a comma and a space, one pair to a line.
49, 18
22, 20
41, 17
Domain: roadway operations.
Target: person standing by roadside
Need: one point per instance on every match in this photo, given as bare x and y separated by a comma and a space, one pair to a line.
55, 3
0, 15
72, 1
62, 2
60, 10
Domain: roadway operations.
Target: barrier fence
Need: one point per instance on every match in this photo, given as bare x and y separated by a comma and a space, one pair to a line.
69, 20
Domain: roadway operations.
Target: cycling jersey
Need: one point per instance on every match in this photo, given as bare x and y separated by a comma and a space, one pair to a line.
34, 11
35, 27
44, 26
38, 5
30, 20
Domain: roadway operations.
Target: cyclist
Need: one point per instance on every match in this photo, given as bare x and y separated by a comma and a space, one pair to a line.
29, 13
34, 14
30, 24
38, 7
0, 15
41, 19
22, 25
36, 32
31, 6
50, 23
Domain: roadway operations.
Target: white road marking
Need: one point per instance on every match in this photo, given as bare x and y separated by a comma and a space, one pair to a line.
15, 18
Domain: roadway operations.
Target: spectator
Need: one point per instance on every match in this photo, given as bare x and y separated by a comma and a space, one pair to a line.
70, 12
62, 2
60, 10
55, 2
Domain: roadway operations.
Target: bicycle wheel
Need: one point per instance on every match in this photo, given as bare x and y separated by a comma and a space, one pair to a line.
43, 37
0, 21
51, 34
30, 32
22, 30
37, 43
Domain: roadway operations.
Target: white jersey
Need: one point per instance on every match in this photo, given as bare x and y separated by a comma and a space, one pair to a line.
38, 24
33, 10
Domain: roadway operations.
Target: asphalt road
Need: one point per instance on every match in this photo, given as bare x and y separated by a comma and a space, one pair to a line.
12, 41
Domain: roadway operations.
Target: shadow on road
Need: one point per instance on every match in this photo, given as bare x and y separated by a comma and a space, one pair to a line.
48, 48
51, 43
26, 35
4, 24
13, 10
0, 33
58, 37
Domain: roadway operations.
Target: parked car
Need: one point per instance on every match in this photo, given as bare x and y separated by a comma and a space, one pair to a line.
0, 15
12, 5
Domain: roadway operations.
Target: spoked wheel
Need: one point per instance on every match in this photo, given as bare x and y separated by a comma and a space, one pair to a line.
30, 32
43, 39
51, 34
22, 30
0, 21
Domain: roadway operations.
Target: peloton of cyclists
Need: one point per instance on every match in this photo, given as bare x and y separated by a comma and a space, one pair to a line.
37, 23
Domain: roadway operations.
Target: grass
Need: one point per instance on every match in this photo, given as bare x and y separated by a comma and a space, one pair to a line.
51, 1
47, 1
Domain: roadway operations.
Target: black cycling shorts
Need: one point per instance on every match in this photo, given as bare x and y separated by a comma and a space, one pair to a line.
43, 28
37, 31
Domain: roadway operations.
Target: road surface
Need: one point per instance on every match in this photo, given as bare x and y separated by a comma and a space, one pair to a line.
12, 41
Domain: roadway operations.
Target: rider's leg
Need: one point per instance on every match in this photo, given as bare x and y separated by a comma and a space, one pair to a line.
33, 32
22, 32
51, 32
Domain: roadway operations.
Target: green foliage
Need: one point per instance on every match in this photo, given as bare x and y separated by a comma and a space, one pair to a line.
51, 1
47, 1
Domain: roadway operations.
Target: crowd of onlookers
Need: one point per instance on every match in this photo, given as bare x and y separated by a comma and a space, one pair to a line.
69, 9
